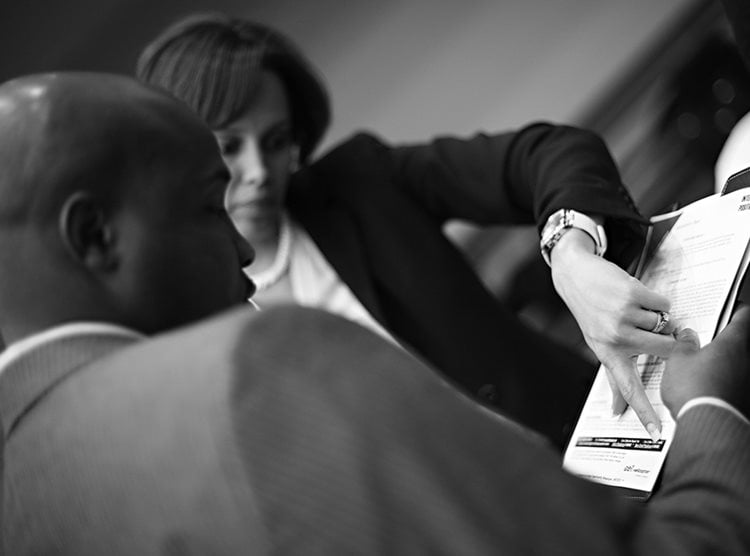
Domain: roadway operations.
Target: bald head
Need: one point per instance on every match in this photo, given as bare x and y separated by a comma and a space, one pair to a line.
91, 166
62, 131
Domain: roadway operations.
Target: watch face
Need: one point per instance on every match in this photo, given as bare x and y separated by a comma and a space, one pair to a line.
557, 219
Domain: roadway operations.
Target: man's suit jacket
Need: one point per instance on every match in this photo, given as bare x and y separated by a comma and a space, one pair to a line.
377, 212
295, 432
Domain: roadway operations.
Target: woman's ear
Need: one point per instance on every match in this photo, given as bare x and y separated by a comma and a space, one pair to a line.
87, 233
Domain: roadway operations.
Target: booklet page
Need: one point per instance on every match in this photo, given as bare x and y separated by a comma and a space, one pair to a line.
699, 254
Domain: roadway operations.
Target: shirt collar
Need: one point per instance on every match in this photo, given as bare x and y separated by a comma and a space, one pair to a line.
74, 329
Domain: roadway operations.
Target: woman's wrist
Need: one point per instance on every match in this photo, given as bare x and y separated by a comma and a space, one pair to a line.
573, 243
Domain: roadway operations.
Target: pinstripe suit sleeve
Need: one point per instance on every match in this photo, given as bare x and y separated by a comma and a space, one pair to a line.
703, 506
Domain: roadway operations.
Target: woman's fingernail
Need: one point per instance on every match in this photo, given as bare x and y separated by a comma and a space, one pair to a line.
653, 432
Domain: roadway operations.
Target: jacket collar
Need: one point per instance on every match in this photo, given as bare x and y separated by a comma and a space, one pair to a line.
330, 224
31, 367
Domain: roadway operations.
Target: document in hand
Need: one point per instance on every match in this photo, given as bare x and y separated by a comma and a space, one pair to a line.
696, 256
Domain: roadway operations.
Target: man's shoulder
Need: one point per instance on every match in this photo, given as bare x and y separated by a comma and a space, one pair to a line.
300, 341
289, 336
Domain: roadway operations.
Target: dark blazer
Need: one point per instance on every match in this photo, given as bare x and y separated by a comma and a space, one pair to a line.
293, 431
738, 14
377, 214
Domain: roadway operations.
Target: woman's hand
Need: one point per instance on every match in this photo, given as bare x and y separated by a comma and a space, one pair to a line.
616, 314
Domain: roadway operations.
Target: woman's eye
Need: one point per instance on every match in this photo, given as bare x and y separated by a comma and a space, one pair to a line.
229, 147
278, 141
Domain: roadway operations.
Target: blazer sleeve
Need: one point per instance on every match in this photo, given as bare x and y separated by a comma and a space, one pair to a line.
351, 446
520, 177
738, 14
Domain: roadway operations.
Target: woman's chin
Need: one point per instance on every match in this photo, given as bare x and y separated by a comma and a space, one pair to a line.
251, 221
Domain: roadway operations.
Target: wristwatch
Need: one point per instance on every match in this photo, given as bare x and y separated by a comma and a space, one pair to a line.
562, 221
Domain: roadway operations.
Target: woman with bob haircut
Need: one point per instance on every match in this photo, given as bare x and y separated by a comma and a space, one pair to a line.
359, 231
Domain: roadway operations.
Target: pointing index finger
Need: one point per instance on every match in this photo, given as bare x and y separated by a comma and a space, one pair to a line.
629, 382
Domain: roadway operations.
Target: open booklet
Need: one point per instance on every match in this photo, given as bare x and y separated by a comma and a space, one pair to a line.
696, 256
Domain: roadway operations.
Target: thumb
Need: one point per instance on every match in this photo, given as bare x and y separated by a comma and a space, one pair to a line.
687, 341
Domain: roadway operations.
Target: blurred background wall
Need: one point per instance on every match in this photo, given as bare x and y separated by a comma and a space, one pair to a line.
659, 79
405, 68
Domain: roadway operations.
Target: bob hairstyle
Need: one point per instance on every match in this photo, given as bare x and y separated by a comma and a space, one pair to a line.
213, 62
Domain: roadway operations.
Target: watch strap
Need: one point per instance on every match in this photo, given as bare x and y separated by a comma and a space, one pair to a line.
563, 220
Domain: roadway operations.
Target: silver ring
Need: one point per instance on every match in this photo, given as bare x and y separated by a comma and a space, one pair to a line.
662, 320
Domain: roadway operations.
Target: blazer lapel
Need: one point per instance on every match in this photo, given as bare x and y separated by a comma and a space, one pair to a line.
334, 231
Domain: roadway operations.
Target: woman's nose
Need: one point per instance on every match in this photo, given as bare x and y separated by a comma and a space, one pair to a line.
250, 167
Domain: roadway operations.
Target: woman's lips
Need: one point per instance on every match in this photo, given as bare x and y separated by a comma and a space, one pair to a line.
260, 203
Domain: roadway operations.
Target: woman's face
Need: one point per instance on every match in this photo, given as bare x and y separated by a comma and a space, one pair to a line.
259, 151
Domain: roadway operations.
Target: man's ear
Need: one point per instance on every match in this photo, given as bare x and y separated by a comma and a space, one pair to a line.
87, 232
